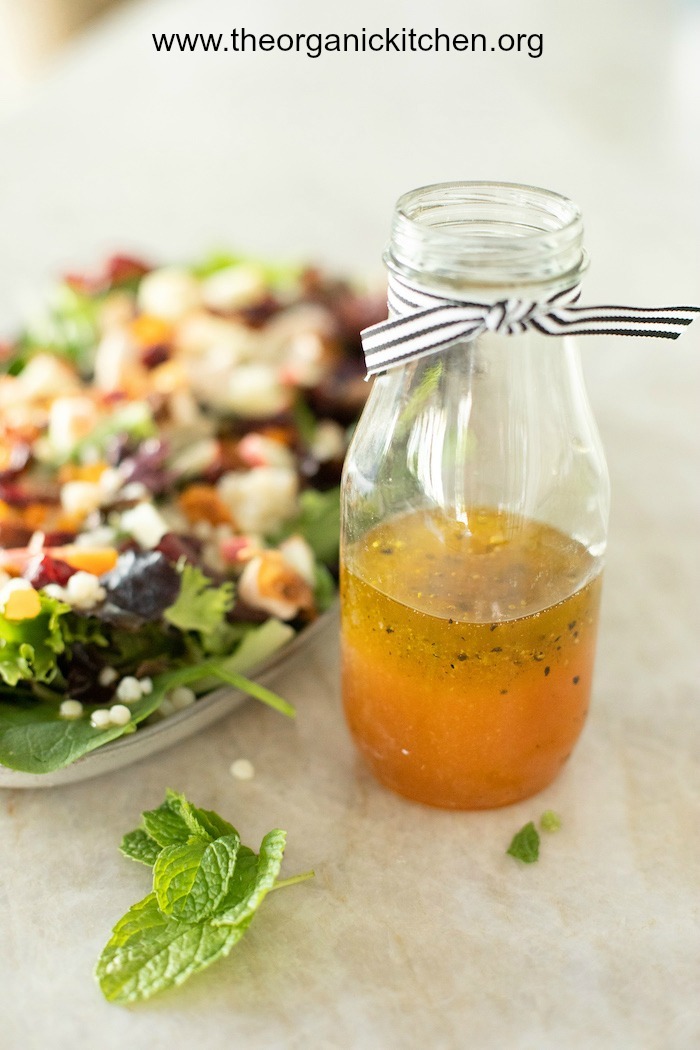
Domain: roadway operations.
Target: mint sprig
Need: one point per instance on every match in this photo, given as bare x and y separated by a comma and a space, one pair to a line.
207, 887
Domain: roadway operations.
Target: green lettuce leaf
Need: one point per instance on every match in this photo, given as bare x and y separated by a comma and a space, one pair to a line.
318, 521
35, 739
201, 605
28, 648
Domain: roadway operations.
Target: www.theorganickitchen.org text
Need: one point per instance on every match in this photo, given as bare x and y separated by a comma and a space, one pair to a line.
382, 41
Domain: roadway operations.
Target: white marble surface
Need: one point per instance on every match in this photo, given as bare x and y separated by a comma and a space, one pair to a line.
418, 931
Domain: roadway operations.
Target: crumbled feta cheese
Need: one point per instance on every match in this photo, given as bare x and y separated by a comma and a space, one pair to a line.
145, 524
181, 697
129, 690
54, 590
46, 376
100, 718
146, 686
170, 292
102, 536
261, 499
83, 591
107, 676
80, 498
234, 287
218, 339
328, 441
110, 481
117, 361
135, 490
70, 420
196, 458
256, 450
253, 390
305, 360
297, 553
242, 769
70, 709
119, 715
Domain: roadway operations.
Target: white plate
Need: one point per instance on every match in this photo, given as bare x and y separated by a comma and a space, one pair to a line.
153, 738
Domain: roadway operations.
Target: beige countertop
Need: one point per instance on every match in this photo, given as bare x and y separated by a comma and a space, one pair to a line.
418, 930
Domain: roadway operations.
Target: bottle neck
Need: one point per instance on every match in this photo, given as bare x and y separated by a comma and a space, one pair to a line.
487, 241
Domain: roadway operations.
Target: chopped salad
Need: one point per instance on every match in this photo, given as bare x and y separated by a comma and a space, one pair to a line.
171, 441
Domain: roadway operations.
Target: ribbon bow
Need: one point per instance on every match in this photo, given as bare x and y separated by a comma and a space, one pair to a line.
423, 322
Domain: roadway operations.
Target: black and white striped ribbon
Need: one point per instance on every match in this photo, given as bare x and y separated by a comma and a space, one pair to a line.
422, 322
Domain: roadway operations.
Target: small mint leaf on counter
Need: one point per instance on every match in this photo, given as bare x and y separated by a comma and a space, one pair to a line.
550, 821
525, 845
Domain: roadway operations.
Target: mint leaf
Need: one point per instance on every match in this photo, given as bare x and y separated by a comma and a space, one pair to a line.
526, 844
256, 881
201, 605
550, 821
149, 952
173, 823
213, 824
165, 827
206, 891
191, 880
138, 845
167, 824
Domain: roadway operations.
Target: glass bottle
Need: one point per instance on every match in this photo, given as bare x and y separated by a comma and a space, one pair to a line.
474, 516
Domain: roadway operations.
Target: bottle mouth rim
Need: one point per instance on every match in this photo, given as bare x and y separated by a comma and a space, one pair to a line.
487, 234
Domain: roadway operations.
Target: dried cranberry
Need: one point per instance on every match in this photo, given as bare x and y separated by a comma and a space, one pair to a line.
155, 355
122, 269
44, 569
21, 495
58, 538
118, 270
175, 547
260, 313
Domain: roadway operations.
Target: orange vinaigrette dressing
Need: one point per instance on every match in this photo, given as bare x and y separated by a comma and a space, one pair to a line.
467, 654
